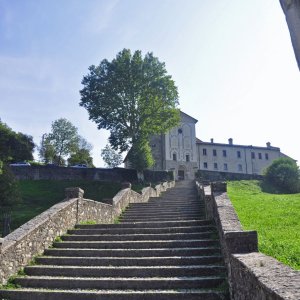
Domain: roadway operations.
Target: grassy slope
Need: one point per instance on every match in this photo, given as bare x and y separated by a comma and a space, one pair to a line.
275, 217
37, 196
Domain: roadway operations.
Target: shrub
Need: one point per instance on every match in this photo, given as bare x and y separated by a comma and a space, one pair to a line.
9, 190
283, 173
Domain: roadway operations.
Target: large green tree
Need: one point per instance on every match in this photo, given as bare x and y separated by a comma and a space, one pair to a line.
133, 97
15, 146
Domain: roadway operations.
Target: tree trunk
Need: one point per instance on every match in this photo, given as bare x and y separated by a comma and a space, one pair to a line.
291, 9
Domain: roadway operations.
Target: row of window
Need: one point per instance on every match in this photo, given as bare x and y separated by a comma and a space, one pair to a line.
187, 157
238, 154
225, 166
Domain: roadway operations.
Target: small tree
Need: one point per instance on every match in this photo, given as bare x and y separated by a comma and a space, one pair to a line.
61, 142
82, 155
283, 173
111, 157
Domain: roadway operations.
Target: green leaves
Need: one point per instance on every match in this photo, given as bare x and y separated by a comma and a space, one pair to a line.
111, 158
133, 97
15, 146
283, 174
63, 141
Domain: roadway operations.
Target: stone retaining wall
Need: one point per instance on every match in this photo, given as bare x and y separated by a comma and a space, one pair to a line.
100, 174
251, 275
19, 248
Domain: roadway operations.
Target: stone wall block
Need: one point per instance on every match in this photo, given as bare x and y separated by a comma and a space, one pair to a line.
241, 241
218, 186
251, 275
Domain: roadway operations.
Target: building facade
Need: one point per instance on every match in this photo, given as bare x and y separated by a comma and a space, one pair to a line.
180, 151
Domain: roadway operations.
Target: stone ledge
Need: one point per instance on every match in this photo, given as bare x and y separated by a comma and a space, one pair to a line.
251, 275
258, 276
241, 241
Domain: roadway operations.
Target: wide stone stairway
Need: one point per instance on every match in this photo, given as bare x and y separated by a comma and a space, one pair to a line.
162, 249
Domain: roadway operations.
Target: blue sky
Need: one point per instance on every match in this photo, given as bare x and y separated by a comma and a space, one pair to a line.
232, 61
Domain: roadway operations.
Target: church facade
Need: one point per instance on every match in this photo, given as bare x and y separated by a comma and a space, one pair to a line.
180, 151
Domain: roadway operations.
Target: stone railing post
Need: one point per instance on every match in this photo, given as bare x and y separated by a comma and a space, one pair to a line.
75, 192
218, 186
126, 185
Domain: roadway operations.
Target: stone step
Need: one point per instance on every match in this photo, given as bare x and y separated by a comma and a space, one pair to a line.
125, 271
147, 212
156, 224
130, 261
166, 218
136, 244
178, 294
140, 237
148, 252
168, 204
133, 230
162, 212
159, 211
119, 282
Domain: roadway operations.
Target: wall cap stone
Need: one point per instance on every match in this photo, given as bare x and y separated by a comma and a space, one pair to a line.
271, 274
73, 192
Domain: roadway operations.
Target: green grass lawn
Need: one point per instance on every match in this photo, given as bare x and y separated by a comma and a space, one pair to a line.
39, 195
275, 217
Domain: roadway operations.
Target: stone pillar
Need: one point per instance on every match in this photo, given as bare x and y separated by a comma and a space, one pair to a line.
126, 185
73, 192
218, 186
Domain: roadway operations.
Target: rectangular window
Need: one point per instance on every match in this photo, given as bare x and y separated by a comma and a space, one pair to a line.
214, 152
225, 167
259, 156
240, 168
253, 155
205, 165
224, 153
215, 166
238, 153
266, 156
187, 157
204, 152
174, 156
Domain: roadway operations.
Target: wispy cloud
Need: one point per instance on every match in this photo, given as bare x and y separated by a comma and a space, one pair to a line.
100, 17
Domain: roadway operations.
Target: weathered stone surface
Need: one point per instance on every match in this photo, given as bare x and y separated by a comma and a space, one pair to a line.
252, 275
257, 276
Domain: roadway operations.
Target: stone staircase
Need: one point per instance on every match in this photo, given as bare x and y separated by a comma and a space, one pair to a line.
162, 249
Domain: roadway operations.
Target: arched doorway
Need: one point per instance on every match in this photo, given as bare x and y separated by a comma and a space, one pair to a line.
181, 172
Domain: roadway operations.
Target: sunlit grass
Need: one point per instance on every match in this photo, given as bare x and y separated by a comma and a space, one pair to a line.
275, 217
39, 195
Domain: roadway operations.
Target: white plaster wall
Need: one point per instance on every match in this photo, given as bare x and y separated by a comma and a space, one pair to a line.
249, 165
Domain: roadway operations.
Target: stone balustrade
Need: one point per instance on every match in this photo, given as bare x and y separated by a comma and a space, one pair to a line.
251, 275
31, 239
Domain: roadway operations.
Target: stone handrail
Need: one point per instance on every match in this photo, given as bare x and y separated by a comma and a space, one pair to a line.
251, 275
31, 239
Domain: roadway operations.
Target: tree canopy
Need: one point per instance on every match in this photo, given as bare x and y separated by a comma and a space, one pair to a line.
15, 146
133, 97
111, 157
283, 174
64, 142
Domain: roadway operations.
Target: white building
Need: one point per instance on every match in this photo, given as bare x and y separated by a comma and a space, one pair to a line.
180, 151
